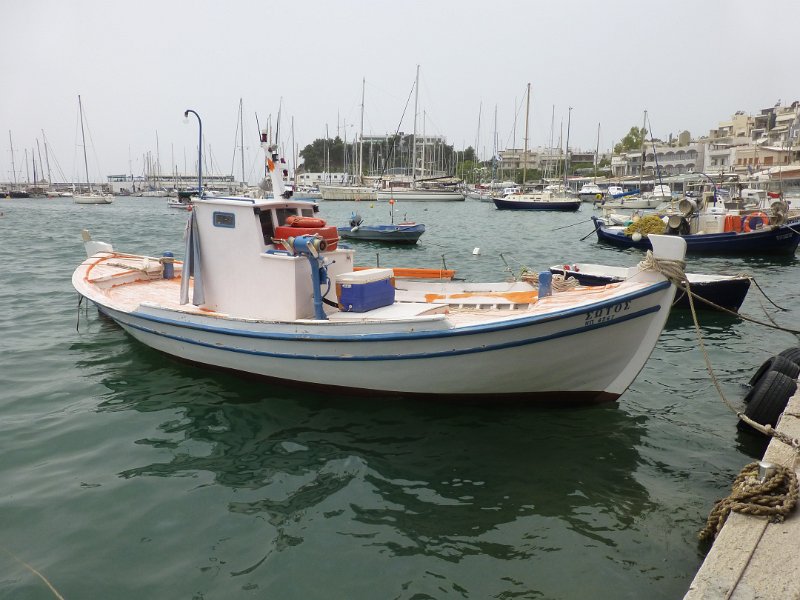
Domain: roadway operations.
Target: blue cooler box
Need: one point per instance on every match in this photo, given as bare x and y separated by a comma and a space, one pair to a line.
361, 291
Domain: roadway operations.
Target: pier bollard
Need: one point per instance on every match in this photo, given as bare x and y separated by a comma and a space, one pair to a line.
545, 284
169, 268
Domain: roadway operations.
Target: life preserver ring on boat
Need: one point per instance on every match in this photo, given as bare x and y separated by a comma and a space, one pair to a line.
598, 196
764, 219
308, 222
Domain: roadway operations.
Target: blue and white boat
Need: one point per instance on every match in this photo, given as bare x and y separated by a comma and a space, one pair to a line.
715, 231
394, 233
252, 298
725, 291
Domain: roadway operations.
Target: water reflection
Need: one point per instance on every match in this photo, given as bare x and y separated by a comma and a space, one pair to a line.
407, 477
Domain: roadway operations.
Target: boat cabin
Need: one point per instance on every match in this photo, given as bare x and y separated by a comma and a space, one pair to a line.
248, 264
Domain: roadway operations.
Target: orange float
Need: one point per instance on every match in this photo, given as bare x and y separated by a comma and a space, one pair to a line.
756, 215
307, 222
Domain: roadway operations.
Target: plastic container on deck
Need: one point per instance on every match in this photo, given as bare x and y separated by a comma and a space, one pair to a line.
362, 291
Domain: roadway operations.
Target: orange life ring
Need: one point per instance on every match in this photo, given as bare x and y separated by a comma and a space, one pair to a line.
759, 215
312, 222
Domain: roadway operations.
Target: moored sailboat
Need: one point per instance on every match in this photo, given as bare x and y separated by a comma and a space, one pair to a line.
90, 197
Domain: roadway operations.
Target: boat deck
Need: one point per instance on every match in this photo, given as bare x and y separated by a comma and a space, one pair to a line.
129, 282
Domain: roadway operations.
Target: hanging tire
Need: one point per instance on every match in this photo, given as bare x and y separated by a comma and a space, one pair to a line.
778, 363
768, 398
793, 354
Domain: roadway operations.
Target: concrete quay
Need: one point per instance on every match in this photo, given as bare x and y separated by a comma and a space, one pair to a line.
751, 557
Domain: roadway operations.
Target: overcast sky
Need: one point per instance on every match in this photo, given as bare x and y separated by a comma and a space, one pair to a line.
139, 65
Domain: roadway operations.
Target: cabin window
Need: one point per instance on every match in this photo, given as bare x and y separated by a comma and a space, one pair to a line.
267, 226
222, 219
284, 213
307, 212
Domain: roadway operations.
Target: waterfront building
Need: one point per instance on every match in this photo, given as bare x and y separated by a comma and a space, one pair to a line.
124, 185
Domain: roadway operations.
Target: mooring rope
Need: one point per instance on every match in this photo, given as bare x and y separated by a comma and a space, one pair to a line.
673, 270
678, 277
753, 279
774, 497
35, 572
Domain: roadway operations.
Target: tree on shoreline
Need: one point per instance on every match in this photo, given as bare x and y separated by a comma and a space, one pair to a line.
632, 140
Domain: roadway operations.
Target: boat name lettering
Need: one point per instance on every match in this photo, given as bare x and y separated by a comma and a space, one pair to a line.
607, 313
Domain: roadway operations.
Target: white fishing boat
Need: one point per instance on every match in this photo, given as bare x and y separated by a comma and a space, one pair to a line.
90, 197
632, 202
261, 295
182, 201
590, 192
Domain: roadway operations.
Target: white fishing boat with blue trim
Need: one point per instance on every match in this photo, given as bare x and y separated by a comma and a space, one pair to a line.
261, 292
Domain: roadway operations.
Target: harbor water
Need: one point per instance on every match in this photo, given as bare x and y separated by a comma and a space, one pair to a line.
127, 474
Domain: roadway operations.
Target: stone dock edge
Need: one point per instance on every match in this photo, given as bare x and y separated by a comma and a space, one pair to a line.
752, 558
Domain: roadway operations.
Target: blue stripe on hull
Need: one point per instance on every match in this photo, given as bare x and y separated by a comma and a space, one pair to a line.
386, 357
413, 335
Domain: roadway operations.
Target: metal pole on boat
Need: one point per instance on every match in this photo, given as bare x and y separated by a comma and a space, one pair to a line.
199, 151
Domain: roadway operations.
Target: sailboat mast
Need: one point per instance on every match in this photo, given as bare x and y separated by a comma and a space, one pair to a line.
414, 144
596, 153
361, 134
241, 139
83, 139
550, 163
41, 165
423, 144
46, 157
566, 152
641, 170
13, 166
525, 151
494, 146
294, 159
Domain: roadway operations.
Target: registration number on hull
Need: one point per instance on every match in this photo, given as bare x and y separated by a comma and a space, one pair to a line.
608, 313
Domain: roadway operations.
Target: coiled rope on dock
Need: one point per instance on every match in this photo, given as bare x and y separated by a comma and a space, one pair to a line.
773, 496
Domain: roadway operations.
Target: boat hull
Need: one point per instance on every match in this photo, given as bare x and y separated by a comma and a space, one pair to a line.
344, 193
420, 196
781, 240
632, 203
396, 234
560, 205
91, 199
727, 292
515, 358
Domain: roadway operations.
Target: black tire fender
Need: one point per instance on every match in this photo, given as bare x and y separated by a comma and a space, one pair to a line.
793, 354
768, 398
778, 363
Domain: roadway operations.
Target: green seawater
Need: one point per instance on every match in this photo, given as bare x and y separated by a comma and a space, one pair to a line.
125, 474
